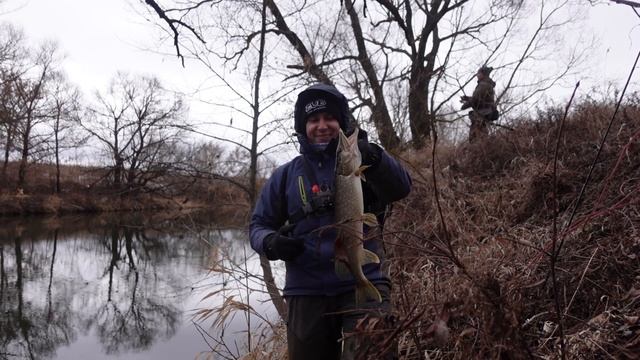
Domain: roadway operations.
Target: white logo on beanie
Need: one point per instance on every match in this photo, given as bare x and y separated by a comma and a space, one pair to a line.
315, 105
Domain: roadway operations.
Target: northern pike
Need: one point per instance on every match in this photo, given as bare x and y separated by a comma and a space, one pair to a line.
350, 255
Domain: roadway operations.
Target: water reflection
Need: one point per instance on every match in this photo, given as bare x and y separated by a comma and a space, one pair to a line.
126, 283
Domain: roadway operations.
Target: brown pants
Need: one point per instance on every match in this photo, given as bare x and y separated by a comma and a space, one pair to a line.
479, 128
317, 325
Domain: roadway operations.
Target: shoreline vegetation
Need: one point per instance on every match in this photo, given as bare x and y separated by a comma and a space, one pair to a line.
78, 197
78, 203
525, 244
17, 207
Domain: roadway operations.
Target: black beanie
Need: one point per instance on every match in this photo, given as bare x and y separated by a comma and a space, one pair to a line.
321, 104
315, 100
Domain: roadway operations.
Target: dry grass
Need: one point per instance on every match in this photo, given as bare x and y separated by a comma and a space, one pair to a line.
486, 271
86, 189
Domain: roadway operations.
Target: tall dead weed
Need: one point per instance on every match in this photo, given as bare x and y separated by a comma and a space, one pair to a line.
483, 263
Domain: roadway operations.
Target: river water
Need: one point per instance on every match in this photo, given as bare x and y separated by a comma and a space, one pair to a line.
124, 287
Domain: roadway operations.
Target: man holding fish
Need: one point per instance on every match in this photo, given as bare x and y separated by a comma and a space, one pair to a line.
322, 214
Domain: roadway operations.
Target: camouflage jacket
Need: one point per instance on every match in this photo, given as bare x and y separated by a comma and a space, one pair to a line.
483, 99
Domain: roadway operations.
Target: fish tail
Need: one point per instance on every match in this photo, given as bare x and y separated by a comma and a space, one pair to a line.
367, 291
368, 257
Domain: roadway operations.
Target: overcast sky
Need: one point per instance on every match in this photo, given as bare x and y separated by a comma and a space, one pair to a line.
98, 37
101, 37
618, 30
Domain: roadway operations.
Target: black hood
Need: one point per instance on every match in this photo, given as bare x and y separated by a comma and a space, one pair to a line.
320, 91
489, 81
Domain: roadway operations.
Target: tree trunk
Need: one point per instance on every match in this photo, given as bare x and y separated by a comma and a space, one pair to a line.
7, 151
22, 171
379, 111
57, 150
267, 272
117, 173
419, 117
382, 121
131, 177
272, 289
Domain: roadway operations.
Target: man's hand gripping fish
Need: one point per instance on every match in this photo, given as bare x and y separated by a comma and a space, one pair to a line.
350, 255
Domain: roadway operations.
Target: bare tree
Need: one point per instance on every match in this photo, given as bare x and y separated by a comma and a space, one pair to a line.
134, 123
9, 118
380, 114
12, 57
65, 111
428, 51
31, 94
12, 49
433, 50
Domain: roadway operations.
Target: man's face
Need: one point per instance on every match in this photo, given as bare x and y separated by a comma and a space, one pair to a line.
322, 127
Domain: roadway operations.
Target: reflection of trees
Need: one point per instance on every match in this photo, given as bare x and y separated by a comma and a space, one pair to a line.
28, 329
135, 325
135, 318
111, 279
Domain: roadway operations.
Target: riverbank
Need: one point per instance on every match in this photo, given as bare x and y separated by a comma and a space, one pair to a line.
69, 203
11, 206
83, 190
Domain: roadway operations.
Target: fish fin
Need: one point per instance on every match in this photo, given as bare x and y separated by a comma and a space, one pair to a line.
366, 291
360, 171
368, 257
370, 219
342, 270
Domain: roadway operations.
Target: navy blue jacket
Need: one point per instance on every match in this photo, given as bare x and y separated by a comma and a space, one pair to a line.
313, 273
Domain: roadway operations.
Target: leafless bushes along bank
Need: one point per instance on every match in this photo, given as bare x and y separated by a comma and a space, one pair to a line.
477, 284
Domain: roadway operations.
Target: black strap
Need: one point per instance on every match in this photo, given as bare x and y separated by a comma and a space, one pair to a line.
308, 208
372, 203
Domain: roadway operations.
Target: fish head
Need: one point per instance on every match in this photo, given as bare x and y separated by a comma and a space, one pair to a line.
348, 155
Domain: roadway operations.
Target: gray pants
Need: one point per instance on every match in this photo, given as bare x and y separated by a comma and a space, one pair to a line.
317, 325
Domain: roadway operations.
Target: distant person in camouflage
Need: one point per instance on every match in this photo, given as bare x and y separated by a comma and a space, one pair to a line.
483, 104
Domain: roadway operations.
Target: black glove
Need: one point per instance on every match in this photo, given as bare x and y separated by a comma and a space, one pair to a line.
465, 100
371, 154
280, 247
